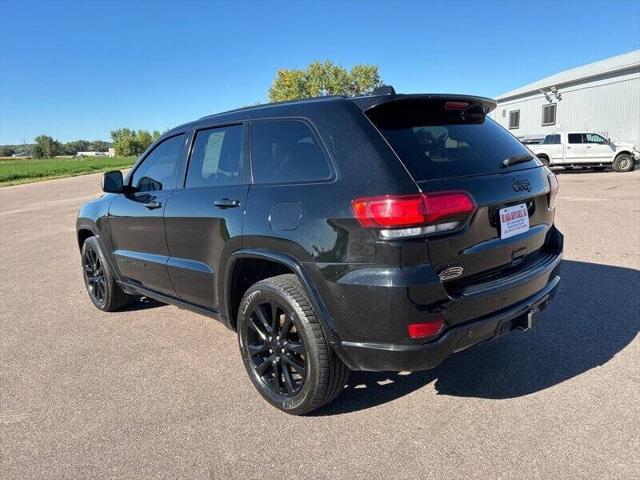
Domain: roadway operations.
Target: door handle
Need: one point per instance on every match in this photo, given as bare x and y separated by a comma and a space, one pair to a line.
226, 203
588, 146
152, 205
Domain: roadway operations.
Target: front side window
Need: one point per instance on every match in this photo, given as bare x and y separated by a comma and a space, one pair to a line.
549, 114
286, 151
216, 157
514, 119
159, 169
594, 138
575, 138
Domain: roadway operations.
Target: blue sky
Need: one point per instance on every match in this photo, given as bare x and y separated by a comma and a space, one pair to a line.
80, 69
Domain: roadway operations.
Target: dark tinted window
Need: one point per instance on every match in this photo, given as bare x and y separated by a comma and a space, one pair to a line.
435, 143
158, 171
514, 119
593, 138
551, 139
549, 114
216, 157
286, 151
575, 138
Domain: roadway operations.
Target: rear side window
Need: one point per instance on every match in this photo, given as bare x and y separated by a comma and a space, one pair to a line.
216, 157
575, 138
551, 140
435, 143
286, 151
594, 138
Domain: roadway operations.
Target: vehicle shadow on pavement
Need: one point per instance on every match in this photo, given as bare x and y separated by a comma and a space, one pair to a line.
594, 315
143, 303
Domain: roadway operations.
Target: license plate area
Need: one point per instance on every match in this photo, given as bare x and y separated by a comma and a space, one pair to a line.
513, 220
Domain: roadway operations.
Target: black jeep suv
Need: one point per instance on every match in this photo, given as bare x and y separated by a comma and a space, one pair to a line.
381, 232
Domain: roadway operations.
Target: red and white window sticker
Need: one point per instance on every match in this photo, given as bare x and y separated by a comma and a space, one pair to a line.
513, 220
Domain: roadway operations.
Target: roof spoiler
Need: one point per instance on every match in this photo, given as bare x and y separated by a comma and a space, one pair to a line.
373, 101
384, 90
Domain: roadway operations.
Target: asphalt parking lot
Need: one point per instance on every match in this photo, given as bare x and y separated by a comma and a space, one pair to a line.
158, 392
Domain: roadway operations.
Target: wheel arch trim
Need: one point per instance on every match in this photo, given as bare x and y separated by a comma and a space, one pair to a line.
84, 223
89, 225
624, 152
326, 322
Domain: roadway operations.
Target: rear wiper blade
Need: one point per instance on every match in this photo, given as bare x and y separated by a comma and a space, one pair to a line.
521, 158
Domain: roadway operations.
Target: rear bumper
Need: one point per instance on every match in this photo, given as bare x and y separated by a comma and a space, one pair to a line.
393, 357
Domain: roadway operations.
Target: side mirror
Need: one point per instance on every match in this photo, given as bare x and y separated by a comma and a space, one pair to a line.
112, 182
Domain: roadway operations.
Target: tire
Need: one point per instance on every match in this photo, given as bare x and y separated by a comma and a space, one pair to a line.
623, 163
544, 160
99, 280
297, 371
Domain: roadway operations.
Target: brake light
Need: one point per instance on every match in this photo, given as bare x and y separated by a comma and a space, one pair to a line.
448, 204
455, 105
425, 329
420, 213
553, 189
390, 211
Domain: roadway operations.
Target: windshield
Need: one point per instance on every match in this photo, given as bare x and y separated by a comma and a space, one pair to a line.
435, 143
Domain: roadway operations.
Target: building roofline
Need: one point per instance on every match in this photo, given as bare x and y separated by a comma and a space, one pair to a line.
616, 64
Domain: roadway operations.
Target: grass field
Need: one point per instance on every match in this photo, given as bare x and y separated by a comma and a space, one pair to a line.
25, 170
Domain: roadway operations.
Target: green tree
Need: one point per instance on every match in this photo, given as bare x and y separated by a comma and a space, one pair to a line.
363, 79
288, 85
6, 151
124, 142
46, 147
72, 148
129, 142
99, 146
143, 140
324, 78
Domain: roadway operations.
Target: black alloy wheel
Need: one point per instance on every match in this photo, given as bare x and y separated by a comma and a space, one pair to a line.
94, 275
99, 279
284, 349
278, 354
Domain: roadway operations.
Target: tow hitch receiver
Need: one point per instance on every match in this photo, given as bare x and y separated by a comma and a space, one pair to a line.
527, 321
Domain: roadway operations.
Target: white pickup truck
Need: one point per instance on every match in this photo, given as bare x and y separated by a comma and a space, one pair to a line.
586, 149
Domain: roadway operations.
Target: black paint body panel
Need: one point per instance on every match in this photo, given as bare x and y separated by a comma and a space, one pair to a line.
365, 290
199, 237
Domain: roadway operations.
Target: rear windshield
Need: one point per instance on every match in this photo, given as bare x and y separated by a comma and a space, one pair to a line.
436, 143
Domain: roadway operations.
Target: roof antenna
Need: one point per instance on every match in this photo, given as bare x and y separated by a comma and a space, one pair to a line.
384, 90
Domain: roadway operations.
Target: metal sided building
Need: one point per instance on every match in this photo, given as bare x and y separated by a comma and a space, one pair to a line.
603, 97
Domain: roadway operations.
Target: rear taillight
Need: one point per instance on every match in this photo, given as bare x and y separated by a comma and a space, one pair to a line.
553, 189
410, 215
